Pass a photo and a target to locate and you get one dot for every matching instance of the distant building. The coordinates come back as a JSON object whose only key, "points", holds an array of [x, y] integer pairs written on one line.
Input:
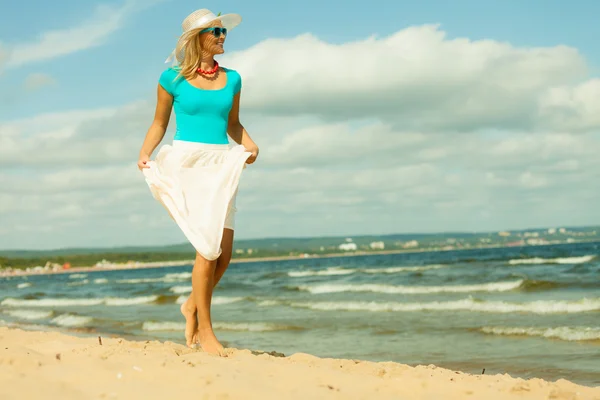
{"points": [[377, 245], [536, 241], [551, 231], [504, 234], [410, 244], [348, 246]]}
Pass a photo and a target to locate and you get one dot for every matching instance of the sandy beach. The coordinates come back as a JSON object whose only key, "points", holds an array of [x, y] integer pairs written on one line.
{"points": [[54, 365]]}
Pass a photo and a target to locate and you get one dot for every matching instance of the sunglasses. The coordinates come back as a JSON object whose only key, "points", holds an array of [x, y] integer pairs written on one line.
{"points": [[216, 31]]}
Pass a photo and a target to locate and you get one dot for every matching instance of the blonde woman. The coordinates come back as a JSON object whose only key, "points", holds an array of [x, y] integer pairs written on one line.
{"points": [[196, 178]]}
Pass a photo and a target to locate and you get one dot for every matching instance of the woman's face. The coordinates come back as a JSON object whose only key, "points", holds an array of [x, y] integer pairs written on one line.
{"points": [[210, 43]]}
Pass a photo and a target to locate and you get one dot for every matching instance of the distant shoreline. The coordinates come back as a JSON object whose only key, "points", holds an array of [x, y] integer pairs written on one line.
{"points": [[179, 263]]}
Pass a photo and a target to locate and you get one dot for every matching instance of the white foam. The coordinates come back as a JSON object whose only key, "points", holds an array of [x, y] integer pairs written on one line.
{"points": [[399, 289], [23, 285], [216, 300], [141, 280], [332, 271], [168, 278], [220, 300], [79, 283], [163, 326], [50, 302], [77, 276], [573, 334], [560, 260], [68, 320], [29, 315], [326, 272], [247, 326], [181, 289], [100, 281], [225, 326], [534, 307], [181, 276], [394, 270], [269, 303], [118, 301]]}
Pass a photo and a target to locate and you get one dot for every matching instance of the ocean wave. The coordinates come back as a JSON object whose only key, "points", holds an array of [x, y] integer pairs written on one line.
{"points": [[29, 315], [224, 326], [50, 302], [23, 285], [216, 300], [534, 307], [181, 276], [71, 321], [332, 271], [394, 270], [269, 303], [100, 281], [573, 334], [77, 276], [560, 260], [168, 278], [399, 289], [326, 272], [220, 300], [181, 289], [79, 283]]}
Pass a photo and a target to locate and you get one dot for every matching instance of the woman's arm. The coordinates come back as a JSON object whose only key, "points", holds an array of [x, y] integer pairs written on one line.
{"points": [[159, 125], [238, 133]]}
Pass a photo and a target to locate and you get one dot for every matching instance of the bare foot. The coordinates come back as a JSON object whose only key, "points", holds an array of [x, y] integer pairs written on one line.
{"points": [[209, 342], [191, 324]]}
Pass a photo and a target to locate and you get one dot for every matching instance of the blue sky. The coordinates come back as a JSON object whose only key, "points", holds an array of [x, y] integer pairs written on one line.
{"points": [[146, 36], [84, 71]]}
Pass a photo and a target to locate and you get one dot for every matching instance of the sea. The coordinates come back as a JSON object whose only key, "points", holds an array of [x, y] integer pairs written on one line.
{"points": [[528, 312]]}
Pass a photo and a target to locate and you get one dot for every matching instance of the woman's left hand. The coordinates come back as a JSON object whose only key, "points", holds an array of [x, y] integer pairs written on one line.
{"points": [[254, 155]]}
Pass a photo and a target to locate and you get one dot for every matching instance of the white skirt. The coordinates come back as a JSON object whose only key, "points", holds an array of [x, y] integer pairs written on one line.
{"points": [[197, 183]]}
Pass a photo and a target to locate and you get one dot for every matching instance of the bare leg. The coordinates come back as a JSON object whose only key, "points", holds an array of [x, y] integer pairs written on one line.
{"points": [[188, 308], [225, 257], [203, 277]]}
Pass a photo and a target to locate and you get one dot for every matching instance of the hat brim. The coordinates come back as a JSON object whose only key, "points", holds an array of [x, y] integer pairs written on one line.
{"points": [[229, 21]]}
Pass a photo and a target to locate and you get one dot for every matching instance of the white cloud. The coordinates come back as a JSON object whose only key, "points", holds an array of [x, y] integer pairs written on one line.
{"points": [[92, 31], [75, 138], [437, 134], [319, 179], [38, 80], [418, 78], [572, 107]]}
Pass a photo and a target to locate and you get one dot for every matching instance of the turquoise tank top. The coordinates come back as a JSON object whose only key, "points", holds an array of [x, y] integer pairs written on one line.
{"points": [[201, 115]]}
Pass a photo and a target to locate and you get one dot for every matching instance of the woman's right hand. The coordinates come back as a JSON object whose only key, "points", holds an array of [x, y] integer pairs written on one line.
{"points": [[143, 161]]}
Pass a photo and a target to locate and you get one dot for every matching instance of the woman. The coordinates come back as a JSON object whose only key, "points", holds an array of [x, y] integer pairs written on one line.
{"points": [[196, 178]]}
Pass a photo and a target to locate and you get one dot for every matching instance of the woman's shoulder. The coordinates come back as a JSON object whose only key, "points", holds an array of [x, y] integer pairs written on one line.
{"points": [[170, 73], [168, 79], [235, 78], [232, 72]]}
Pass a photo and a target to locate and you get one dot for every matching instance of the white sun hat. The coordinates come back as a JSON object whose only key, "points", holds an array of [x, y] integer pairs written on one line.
{"points": [[201, 18]]}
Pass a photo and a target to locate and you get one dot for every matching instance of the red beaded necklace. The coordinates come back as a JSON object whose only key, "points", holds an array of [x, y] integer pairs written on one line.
{"points": [[209, 72]]}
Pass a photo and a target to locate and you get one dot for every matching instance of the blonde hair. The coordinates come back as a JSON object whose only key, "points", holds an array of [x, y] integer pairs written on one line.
{"points": [[190, 47]]}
